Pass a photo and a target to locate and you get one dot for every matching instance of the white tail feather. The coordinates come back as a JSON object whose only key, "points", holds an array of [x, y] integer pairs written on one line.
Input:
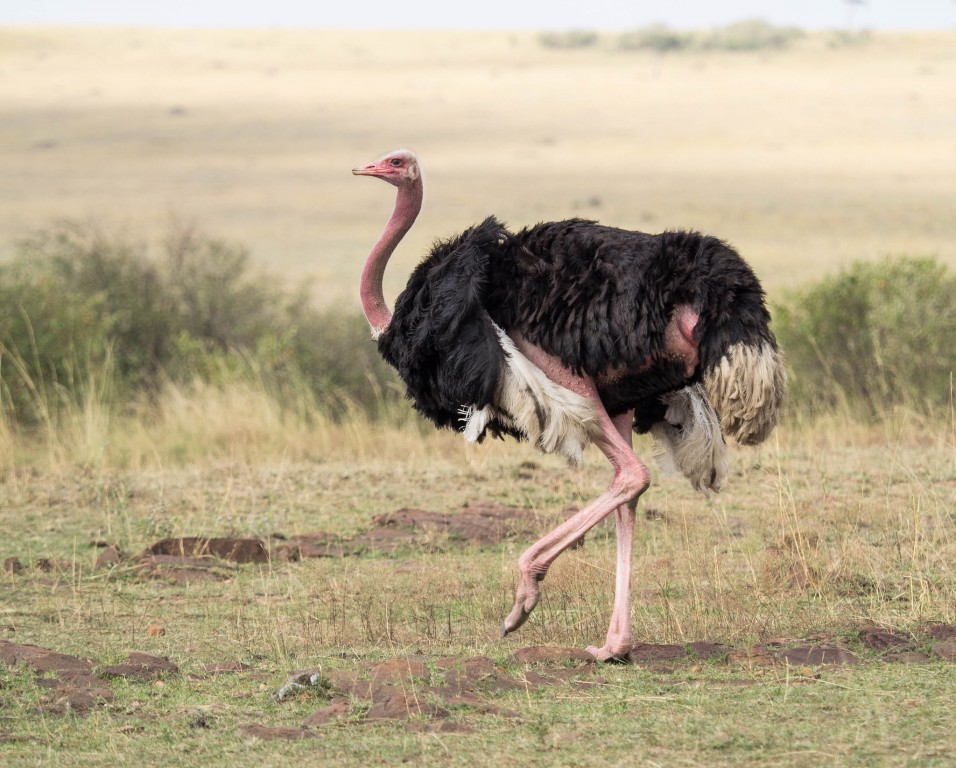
{"points": [[553, 419]]}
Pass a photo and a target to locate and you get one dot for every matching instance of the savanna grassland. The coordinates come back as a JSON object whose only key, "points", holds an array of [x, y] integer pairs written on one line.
{"points": [[806, 615], [804, 159]]}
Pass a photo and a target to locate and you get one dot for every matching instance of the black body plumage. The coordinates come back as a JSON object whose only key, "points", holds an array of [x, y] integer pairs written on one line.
{"points": [[441, 339], [597, 297]]}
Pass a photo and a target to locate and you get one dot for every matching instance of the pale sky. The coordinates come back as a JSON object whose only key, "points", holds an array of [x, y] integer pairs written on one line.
{"points": [[482, 14]]}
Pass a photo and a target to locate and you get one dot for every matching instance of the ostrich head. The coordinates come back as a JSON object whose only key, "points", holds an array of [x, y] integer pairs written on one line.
{"points": [[399, 168]]}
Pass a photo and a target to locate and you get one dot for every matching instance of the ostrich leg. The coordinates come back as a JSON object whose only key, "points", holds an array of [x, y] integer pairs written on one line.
{"points": [[630, 480], [619, 631]]}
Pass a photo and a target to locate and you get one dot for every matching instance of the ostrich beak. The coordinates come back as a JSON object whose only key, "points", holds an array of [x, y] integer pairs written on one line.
{"points": [[365, 170]]}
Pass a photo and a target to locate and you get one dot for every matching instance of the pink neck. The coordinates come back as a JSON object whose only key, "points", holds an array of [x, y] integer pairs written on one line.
{"points": [[408, 203]]}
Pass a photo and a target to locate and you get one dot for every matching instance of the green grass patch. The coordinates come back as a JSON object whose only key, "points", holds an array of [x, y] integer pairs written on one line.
{"points": [[818, 535]]}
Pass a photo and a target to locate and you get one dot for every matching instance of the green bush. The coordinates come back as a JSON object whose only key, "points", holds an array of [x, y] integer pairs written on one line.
{"points": [[76, 290], [76, 303], [751, 35], [657, 37], [577, 38], [871, 337]]}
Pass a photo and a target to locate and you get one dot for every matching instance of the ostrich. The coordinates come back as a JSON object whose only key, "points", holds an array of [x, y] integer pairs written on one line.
{"points": [[568, 333]]}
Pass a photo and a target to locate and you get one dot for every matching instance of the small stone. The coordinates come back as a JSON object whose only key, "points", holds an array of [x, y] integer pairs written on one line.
{"points": [[299, 681]]}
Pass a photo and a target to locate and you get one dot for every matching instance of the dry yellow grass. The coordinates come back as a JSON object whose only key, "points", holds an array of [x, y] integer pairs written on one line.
{"points": [[818, 532], [803, 159]]}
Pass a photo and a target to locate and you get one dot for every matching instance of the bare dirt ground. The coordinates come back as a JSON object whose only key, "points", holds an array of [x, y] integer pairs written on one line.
{"points": [[804, 159]]}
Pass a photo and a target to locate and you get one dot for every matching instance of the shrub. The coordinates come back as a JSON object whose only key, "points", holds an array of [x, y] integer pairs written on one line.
{"points": [[751, 35], [78, 291], [657, 38], [77, 304], [566, 40], [873, 336]]}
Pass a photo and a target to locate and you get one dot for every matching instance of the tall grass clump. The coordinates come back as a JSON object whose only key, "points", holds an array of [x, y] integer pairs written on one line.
{"points": [[92, 321], [872, 337]]}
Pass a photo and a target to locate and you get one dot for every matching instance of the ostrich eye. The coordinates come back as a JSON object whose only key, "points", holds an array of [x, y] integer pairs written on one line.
{"points": [[396, 162]]}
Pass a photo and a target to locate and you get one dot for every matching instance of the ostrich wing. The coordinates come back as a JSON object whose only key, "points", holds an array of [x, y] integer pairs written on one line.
{"points": [[442, 340]]}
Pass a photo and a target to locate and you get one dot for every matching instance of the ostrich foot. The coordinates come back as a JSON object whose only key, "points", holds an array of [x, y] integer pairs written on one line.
{"points": [[610, 651], [526, 598]]}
